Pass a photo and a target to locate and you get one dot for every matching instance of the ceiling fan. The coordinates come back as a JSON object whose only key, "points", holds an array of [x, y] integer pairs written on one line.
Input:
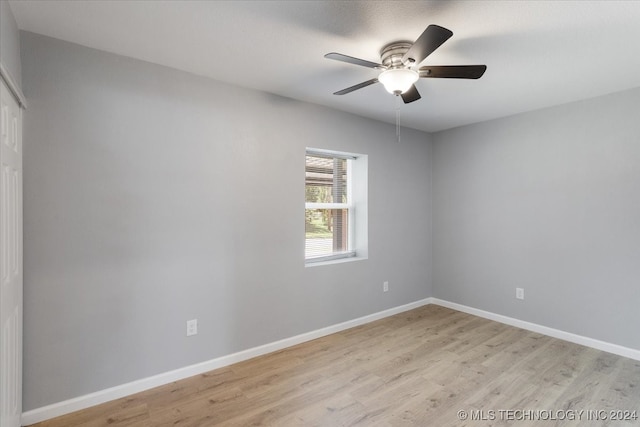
{"points": [[398, 58]]}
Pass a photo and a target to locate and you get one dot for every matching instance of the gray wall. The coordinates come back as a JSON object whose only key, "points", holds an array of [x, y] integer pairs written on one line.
{"points": [[10, 43], [153, 196], [548, 201]]}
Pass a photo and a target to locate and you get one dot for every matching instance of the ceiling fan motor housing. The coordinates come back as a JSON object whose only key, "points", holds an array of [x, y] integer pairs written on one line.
{"points": [[391, 55]]}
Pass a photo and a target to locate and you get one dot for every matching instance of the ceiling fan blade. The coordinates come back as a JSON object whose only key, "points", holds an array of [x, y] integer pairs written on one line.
{"points": [[429, 40], [356, 87], [352, 60], [411, 95], [453, 71]]}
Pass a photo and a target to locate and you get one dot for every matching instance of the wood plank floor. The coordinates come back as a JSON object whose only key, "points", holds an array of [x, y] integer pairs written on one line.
{"points": [[418, 368]]}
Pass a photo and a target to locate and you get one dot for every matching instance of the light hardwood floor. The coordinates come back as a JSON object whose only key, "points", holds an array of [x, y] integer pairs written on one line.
{"points": [[418, 368]]}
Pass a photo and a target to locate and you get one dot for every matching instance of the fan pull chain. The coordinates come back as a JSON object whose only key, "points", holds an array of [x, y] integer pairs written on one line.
{"points": [[398, 105]]}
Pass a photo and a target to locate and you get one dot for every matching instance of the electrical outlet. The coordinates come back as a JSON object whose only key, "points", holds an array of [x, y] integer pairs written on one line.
{"points": [[192, 327], [385, 287], [520, 293]]}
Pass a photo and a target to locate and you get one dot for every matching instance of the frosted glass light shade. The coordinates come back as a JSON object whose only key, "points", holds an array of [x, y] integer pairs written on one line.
{"points": [[398, 80]]}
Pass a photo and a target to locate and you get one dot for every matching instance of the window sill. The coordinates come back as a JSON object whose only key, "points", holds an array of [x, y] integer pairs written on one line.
{"points": [[335, 261]]}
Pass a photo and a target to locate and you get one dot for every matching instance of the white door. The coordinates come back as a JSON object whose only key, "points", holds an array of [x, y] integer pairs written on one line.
{"points": [[10, 260]]}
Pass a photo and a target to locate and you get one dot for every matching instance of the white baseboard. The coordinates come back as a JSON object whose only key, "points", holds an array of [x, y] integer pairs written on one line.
{"points": [[544, 330], [102, 396], [82, 402]]}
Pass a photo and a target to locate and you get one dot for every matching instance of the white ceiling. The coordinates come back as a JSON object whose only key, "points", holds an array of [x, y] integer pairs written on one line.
{"points": [[538, 53]]}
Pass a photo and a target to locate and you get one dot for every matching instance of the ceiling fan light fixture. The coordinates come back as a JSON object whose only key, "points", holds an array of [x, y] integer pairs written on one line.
{"points": [[398, 80]]}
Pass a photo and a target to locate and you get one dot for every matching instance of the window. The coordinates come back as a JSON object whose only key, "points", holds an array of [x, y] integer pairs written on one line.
{"points": [[330, 208]]}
